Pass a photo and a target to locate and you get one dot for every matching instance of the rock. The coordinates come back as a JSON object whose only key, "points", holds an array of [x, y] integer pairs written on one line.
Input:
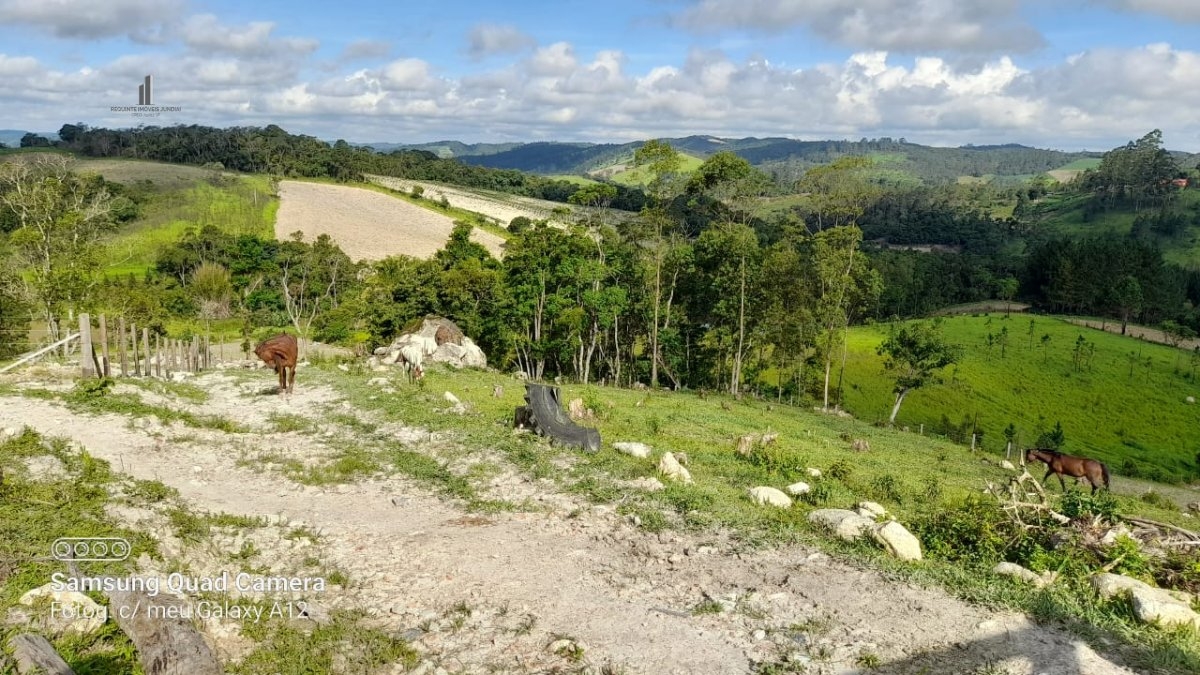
{"points": [[845, 524], [8, 432], [769, 496], [75, 612], [439, 340], [1194, 506], [897, 540], [1005, 464], [578, 411], [800, 488], [1110, 585], [1191, 400], [639, 450], [1029, 576], [760, 634], [451, 398], [871, 510], [813, 473], [1151, 606], [377, 381], [669, 467], [860, 445]]}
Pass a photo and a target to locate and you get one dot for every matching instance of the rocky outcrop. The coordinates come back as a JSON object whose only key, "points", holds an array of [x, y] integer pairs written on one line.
{"points": [[439, 340]]}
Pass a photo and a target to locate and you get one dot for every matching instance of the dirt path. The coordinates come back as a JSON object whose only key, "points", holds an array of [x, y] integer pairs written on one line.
{"points": [[580, 571], [1143, 332], [366, 225]]}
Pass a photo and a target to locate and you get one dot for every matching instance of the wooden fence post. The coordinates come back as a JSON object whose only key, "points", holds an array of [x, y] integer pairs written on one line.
{"points": [[121, 346], [146, 349], [133, 350], [85, 345], [104, 346], [195, 354], [158, 362]]}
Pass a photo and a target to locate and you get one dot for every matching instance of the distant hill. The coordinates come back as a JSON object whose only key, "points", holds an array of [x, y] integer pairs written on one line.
{"points": [[12, 137], [784, 157]]}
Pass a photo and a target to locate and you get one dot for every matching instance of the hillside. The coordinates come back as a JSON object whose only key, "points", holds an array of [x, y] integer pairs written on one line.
{"points": [[1124, 404], [781, 156], [375, 484]]}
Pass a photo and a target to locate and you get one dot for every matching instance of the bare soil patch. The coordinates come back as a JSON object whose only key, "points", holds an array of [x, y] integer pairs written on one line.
{"points": [[366, 225]]}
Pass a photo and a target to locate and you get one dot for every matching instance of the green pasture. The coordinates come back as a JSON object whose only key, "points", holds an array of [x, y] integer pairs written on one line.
{"points": [[1125, 403]]}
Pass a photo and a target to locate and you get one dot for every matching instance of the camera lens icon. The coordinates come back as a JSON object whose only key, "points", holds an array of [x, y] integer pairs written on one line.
{"points": [[91, 549]]}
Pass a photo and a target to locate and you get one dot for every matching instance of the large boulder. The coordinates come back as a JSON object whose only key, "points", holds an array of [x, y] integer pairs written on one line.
{"points": [[897, 540], [440, 340], [1150, 604]]}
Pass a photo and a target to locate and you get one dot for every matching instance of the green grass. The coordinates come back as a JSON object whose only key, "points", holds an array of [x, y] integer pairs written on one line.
{"points": [[1139, 420], [36, 512], [912, 476], [1064, 215], [635, 177], [238, 205], [1081, 164], [572, 178]]}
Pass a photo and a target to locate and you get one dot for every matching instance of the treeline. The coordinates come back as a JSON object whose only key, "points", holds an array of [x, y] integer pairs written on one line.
{"points": [[271, 150]]}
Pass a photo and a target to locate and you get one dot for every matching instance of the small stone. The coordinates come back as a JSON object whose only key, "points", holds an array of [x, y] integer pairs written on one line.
{"points": [[799, 488], [639, 450], [814, 473], [760, 634], [450, 398]]}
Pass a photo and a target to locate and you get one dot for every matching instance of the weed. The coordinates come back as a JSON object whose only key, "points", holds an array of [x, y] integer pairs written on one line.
{"points": [[841, 470], [707, 606], [525, 627]]}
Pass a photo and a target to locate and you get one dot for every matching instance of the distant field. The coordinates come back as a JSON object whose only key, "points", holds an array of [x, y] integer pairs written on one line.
{"points": [[367, 225], [634, 177], [182, 197], [1065, 215], [1106, 412], [1067, 172]]}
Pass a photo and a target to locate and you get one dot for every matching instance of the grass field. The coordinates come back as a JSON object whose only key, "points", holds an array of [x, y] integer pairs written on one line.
{"points": [[239, 205], [1133, 416], [635, 177], [1065, 215]]}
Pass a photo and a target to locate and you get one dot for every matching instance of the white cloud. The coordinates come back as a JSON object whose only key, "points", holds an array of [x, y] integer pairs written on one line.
{"points": [[1179, 10], [206, 34], [91, 19], [487, 39], [1096, 99], [898, 25]]}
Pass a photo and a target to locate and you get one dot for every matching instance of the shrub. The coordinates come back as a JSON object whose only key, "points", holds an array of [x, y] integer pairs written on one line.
{"points": [[971, 531], [840, 470]]}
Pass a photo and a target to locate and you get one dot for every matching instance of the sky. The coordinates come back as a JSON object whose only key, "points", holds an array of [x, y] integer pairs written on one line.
{"points": [[1069, 75]]}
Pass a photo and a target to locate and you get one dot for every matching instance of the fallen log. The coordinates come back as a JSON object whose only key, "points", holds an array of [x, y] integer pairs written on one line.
{"points": [[35, 654], [166, 641]]}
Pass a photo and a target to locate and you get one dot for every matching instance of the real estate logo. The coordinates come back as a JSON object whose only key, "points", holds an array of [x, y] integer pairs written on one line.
{"points": [[145, 106]]}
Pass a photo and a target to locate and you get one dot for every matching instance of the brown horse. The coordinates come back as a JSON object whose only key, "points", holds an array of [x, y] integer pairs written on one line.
{"points": [[1076, 467], [279, 352]]}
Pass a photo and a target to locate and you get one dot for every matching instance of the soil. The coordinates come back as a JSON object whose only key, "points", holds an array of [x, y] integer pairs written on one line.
{"points": [[366, 225], [526, 581]]}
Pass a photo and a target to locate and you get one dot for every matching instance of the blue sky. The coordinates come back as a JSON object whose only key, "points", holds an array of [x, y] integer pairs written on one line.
{"points": [[1075, 74]]}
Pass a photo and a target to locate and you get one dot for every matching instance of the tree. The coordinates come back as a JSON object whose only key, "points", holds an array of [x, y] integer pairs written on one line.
{"points": [[1128, 298], [61, 219], [915, 352], [663, 163], [838, 192], [727, 262], [844, 283], [1006, 288], [311, 278]]}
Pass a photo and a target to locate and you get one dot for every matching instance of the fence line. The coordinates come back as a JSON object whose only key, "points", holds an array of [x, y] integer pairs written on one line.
{"points": [[134, 353]]}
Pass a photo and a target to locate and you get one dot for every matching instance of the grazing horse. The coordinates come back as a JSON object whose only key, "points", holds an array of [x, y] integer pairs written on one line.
{"points": [[279, 352], [411, 358], [1093, 470]]}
